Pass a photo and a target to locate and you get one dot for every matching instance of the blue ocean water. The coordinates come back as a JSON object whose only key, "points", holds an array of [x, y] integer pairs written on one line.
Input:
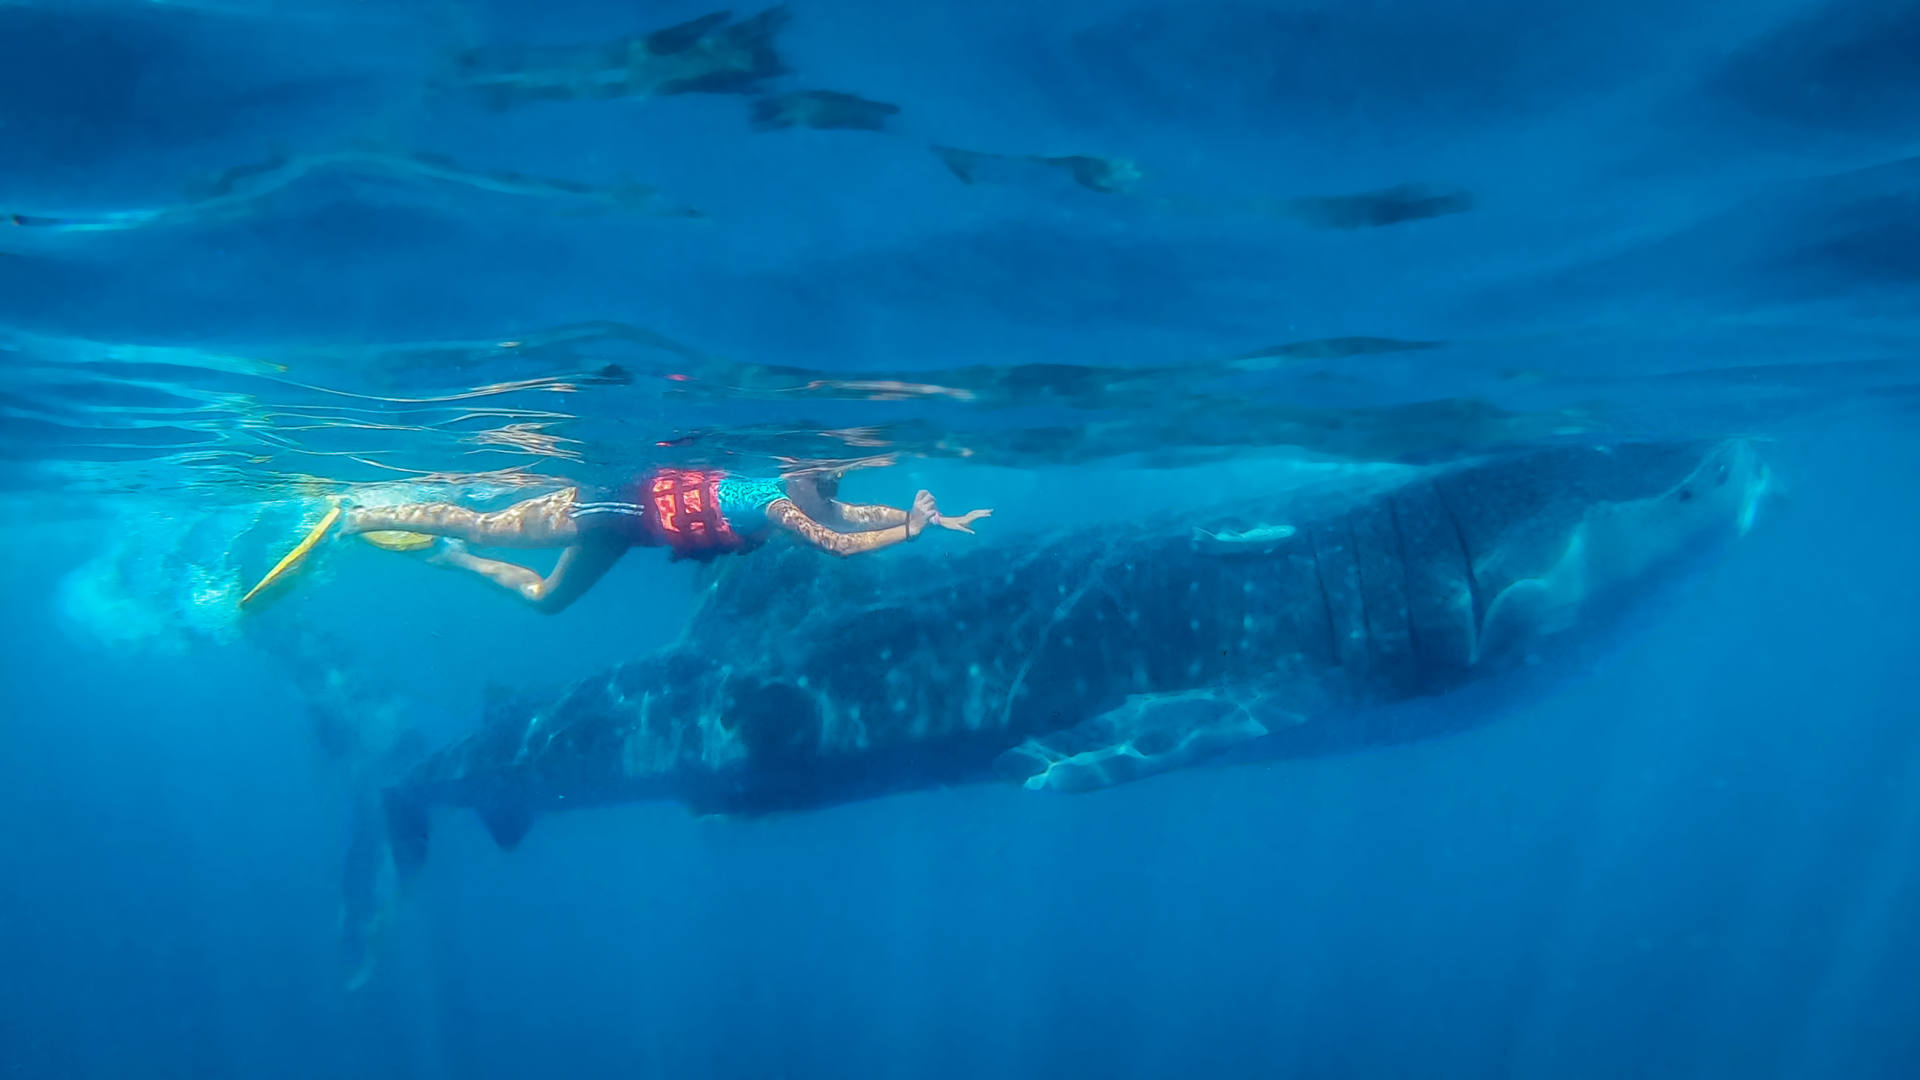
{"points": [[1085, 263]]}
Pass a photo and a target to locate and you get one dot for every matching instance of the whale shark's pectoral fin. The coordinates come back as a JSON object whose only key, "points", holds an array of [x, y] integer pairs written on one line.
{"points": [[1149, 734], [1534, 607], [1512, 618]]}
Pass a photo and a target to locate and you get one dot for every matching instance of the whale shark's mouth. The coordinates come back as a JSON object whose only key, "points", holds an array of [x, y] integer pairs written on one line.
{"points": [[1739, 459], [1757, 493], [1735, 464]]}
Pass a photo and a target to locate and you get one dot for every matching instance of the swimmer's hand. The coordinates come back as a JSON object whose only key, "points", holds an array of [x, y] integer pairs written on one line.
{"points": [[961, 523], [923, 512]]}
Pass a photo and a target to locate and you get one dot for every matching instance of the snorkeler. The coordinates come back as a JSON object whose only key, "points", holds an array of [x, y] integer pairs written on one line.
{"points": [[697, 513]]}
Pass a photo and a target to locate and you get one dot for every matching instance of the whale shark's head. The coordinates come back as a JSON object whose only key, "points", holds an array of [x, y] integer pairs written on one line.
{"points": [[1741, 478], [1617, 523], [1714, 500]]}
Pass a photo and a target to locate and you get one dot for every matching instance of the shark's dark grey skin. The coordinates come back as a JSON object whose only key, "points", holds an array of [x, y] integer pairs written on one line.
{"points": [[1108, 653]]}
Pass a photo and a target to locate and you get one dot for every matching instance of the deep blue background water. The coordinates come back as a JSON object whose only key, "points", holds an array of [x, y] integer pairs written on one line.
{"points": [[1696, 861]]}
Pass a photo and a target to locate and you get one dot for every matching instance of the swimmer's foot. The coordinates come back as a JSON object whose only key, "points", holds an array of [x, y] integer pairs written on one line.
{"points": [[349, 516], [292, 560], [445, 551], [397, 539]]}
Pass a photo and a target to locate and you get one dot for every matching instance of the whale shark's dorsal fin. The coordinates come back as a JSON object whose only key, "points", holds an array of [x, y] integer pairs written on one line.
{"points": [[505, 711], [1147, 735], [507, 822], [495, 698]]}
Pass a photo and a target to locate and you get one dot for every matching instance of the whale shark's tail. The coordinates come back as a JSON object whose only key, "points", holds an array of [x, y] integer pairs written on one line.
{"points": [[405, 805], [370, 881], [368, 891], [403, 816]]}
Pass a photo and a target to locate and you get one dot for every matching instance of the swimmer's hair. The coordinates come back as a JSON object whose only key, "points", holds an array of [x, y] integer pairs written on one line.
{"points": [[830, 473], [822, 480]]}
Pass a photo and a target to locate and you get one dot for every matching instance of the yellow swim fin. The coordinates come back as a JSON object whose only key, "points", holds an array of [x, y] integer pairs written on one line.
{"points": [[293, 558], [397, 539]]}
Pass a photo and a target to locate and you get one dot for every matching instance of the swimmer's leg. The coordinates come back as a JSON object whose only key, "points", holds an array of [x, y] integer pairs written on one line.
{"points": [[580, 566], [541, 522]]}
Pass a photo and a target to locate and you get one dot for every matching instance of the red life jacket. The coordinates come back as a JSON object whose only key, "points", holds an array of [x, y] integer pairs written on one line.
{"points": [[683, 513]]}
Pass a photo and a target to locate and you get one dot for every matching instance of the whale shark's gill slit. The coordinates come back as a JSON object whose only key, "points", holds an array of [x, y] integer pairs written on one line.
{"points": [[1466, 557], [1414, 649], [1326, 600], [1377, 660], [1360, 587]]}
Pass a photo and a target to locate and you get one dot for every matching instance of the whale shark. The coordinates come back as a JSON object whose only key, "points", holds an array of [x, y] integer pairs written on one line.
{"points": [[1276, 626]]}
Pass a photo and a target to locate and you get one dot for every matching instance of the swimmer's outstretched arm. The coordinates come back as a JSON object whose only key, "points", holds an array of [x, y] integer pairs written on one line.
{"points": [[863, 517], [789, 516]]}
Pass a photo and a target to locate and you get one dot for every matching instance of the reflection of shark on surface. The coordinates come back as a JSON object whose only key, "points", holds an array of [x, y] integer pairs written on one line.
{"points": [[822, 110], [1107, 655], [711, 54], [278, 11], [246, 190], [1394, 205], [251, 182], [239, 10], [833, 110], [708, 55], [1105, 175], [1375, 209], [1334, 348]]}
